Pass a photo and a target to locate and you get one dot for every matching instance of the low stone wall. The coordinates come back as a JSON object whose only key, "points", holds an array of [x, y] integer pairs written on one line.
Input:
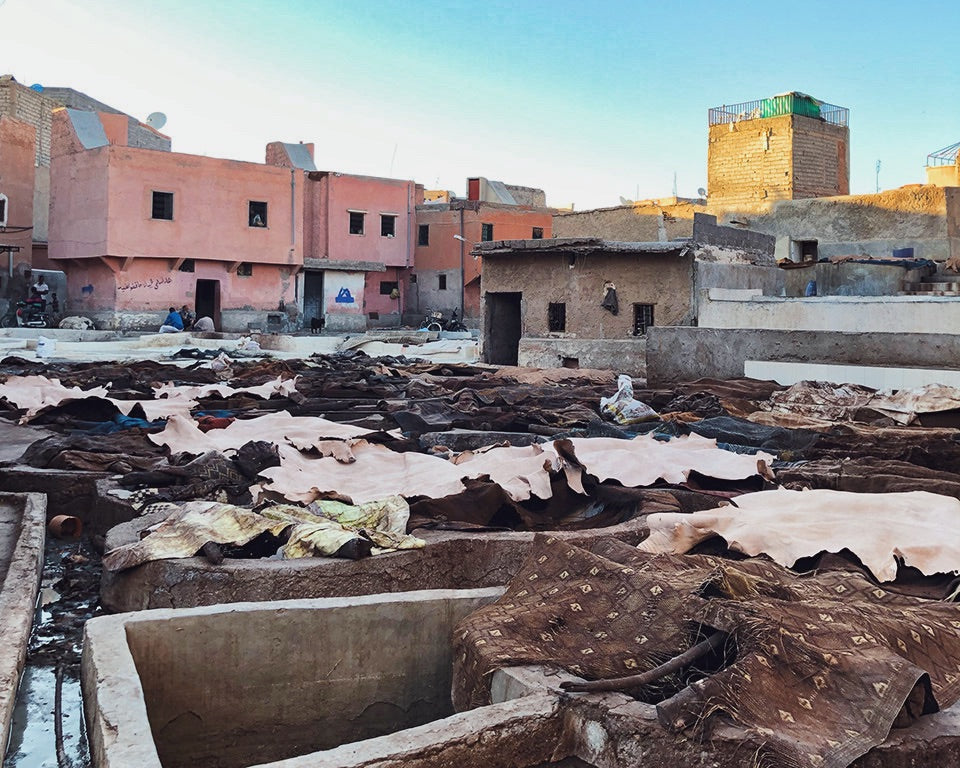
{"points": [[450, 560], [22, 532], [620, 355], [682, 353], [855, 314]]}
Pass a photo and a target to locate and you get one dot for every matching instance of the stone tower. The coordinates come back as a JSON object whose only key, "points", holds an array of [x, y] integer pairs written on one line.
{"points": [[783, 148]]}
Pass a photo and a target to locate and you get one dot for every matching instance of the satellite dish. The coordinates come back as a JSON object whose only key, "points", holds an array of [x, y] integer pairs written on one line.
{"points": [[36, 86], [156, 120], [702, 192]]}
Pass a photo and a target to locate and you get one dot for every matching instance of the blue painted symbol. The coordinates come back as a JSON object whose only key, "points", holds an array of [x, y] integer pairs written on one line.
{"points": [[87, 289], [344, 297]]}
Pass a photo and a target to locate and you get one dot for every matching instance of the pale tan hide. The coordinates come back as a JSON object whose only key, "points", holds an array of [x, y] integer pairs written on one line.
{"points": [[521, 471], [38, 392], [904, 405], [920, 527], [183, 435], [279, 386]]}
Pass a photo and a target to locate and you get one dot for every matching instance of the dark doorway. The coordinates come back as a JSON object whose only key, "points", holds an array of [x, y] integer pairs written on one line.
{"points": [[312, 296], [208, 301], [502, 328]]}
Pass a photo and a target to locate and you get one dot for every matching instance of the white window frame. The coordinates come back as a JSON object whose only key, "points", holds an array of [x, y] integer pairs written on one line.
{"points": [[6, 209]]}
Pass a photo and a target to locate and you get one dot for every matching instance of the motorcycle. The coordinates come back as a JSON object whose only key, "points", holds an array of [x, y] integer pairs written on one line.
{"points": [[26, 314], [434, 322]]}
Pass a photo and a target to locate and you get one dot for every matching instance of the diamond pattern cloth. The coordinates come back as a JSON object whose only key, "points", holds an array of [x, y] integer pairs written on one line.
{"points": [[823, 665]]}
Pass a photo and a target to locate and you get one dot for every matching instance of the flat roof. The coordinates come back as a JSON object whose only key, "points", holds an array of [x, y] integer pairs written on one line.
{"points": [[579, 244]]}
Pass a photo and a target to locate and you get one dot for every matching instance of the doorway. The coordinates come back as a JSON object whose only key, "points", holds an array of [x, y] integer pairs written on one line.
{"points": [[502, 328], [312, 296], [208, 301]]}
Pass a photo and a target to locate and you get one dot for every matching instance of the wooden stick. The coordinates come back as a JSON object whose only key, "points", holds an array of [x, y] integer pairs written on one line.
{"points": [[651, 676]]}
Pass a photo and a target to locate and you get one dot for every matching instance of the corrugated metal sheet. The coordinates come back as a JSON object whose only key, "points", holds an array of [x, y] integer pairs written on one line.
{"points": [[88, 128]]}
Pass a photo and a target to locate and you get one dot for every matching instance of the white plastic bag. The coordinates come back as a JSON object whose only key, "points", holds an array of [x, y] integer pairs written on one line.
{"points": [[622, 408], [46, 347]]}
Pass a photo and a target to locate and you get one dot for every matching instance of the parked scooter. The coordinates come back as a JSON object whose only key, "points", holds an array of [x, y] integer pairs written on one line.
{"points": [[26, 314], [434, 321]]}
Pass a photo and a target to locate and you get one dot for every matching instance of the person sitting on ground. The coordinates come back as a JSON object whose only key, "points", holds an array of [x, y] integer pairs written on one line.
{"points": [[173, 323], [203, 325], [187, 316]]}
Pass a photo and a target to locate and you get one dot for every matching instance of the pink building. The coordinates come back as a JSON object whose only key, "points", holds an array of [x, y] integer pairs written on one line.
{"points": [[138, 230], [358, 243]]}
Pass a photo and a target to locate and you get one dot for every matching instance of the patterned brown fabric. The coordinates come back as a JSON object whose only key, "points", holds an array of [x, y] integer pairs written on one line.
{"points": [[824, 664]]}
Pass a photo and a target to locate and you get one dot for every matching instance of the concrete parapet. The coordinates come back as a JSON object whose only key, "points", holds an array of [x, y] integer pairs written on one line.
{"points": [[681, 353], [22, 535]]}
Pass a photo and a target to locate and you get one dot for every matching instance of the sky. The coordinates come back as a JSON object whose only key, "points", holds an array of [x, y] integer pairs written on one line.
{"points": [[589, 101]]}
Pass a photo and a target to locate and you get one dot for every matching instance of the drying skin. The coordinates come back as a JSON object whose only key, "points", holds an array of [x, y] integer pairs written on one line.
{"points": [[921, 528]]}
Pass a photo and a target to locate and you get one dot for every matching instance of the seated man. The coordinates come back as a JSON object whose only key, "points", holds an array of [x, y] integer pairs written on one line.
{"points": [[203, 325], [173, 323]]}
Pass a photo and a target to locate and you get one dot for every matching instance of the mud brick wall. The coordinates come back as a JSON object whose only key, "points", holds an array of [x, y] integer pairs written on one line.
{"points": [[22, 103], [776, 158]]}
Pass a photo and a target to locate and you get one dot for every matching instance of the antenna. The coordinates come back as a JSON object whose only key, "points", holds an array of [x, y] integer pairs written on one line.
{"points": [[674, 183], [156, 120], [878, 175], [392, 158]]}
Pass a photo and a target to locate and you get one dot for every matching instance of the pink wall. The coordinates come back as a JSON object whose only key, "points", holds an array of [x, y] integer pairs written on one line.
{"points": [[334, 195], [17, 148], [374, 301], [149, 285], [78, 204], [210, 208]]}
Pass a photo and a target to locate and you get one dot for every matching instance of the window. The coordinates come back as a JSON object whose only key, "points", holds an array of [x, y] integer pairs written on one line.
{"points": [[162, 206], [642, 318], [386, 288], [538, 233], [188, 265], [388, 225], [442, 285], [3, 210], [803, 250], [245, 269], [257, 214], [356, 222], [423, 234], [557, 317], [486, 232]]}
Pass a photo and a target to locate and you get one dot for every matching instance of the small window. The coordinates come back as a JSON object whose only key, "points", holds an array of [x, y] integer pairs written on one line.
{"points": [[388, 225], [245, 269], [257, 214], [442, 284], [557, 317], [804, 250], [413, 278], [386, 287], [356, 222], [188, 265], [162, 206], [3, 210], [486, 232], [538, 233], [642, 318], [423, 234]]}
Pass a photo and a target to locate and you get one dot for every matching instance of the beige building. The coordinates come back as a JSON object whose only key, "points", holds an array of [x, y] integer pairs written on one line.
{"points": [[787, 147]]}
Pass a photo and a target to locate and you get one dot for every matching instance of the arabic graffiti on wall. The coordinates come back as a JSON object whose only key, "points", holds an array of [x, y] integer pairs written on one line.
{"points": [[153, 282]]}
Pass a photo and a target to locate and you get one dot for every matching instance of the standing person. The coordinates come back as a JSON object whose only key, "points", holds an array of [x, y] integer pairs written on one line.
{"points": [[41, 289], [173, 323]]}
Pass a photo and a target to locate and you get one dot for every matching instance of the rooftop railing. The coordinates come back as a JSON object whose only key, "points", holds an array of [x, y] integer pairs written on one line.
{"points": [[789, 104]]}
